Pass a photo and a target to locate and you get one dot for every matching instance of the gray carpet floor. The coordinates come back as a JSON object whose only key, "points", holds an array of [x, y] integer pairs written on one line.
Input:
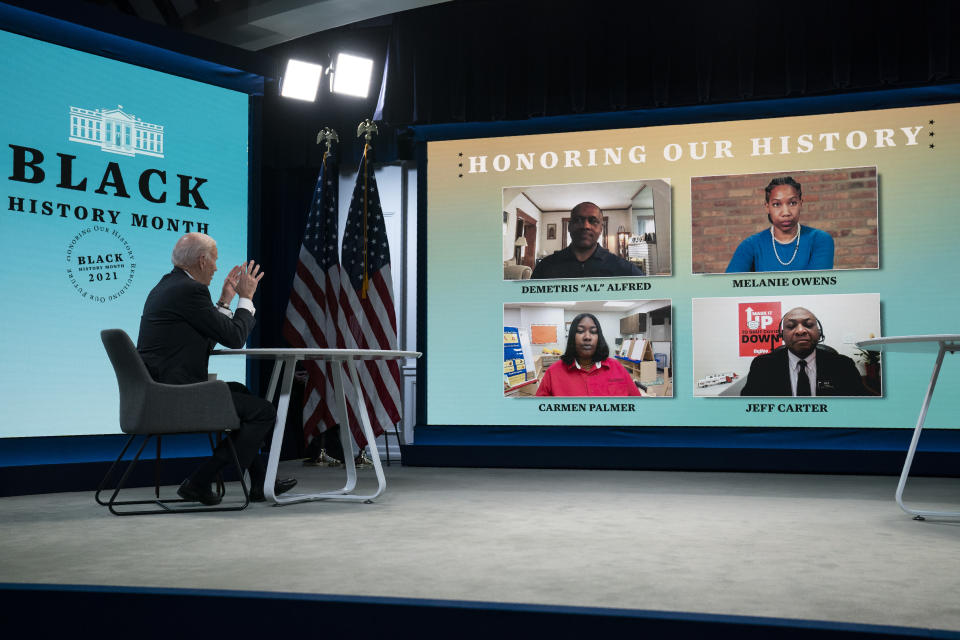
{"points": [[793, 546]]}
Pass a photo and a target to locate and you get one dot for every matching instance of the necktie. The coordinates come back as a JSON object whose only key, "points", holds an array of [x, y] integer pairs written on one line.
{"points": [[803, 382]]}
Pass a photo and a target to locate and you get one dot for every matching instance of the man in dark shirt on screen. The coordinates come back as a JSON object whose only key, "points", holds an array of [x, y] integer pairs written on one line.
{"points": [[585, 258]]}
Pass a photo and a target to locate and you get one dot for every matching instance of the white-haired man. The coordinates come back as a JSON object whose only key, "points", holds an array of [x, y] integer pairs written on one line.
{"points": [[180, 325]]}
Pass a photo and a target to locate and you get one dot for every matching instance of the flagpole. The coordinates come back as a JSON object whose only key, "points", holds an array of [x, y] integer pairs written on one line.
{"points": [[367, 129], [366, 302], [310, 320]]}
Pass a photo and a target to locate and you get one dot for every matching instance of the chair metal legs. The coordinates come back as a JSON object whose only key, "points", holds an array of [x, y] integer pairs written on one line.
{"points": [[221, 488], [162, 504]]}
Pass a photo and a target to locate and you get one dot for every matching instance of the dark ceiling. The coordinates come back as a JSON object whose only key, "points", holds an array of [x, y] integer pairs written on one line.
{"points": [[257, 24]]}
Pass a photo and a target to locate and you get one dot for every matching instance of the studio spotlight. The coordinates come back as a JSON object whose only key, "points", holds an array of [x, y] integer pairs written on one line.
{"points": [[351, 75], [300, 80]]}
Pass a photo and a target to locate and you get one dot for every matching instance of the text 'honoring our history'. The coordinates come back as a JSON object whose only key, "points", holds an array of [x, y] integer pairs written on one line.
{"points": [[637, 154]]}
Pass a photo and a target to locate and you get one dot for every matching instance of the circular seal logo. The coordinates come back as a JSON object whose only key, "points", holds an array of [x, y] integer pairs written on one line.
{"points": [[100, 264]]}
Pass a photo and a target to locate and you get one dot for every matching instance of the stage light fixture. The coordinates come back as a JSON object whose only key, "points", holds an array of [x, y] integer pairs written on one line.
{"points": [[350, 75], [300, 80]]}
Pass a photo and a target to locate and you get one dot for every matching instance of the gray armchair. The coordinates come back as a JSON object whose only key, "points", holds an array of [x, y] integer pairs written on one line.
{"points": [[513, 271], [151, 409]]}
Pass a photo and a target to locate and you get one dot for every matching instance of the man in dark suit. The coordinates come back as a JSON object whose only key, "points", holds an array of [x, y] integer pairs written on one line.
{"points": [[179, 327], [801, 369]]}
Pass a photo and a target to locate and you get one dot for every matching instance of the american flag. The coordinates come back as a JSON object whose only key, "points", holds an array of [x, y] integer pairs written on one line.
{"points": [[368, 318], [314, 300]]}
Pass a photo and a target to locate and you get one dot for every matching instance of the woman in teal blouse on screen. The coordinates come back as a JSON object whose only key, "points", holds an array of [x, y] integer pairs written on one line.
{"points": [[786, 245]]}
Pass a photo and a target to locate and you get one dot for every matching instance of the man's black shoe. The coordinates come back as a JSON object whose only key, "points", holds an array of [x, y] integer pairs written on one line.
{"points": [[282, 485], [197, 493]]}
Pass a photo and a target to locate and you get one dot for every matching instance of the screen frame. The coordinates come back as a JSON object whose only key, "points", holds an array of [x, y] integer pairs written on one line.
{"points": [[735, 436]]}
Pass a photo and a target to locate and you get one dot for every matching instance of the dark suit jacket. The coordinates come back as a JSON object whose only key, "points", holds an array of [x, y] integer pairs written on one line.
{"points": [[837, 375], [180, 325]]}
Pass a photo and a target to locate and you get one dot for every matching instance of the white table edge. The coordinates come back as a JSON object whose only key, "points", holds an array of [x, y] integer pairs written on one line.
{"points": [[892, 340]]}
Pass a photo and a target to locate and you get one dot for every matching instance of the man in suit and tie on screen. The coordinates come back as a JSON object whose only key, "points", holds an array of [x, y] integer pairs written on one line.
{"points": [[802, 367], [179, 327]]}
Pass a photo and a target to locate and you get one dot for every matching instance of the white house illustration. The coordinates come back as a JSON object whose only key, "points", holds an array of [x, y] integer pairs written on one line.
{"points": [[116, 132]]}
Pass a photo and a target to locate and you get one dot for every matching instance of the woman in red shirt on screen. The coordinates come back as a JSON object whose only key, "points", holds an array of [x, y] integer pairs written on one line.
{"points": [[586, 369]]}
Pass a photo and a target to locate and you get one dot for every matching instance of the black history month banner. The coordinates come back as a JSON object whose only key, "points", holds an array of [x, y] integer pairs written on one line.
{"points": [[104, 165]]}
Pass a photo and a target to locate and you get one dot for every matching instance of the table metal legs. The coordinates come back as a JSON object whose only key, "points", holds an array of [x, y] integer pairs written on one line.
{"points": [[346, 493], [917, 514]]}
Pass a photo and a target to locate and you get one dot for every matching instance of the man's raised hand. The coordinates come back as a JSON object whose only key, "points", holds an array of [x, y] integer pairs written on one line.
{"points": [[230, 286], [247, 279]]}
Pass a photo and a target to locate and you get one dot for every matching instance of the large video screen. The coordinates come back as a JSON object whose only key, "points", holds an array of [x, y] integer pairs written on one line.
{"points": [[706, 274], [104, 165]]}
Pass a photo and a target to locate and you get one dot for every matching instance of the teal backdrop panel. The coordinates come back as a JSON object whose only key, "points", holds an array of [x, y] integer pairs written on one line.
{"points": [[104, 166]]}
